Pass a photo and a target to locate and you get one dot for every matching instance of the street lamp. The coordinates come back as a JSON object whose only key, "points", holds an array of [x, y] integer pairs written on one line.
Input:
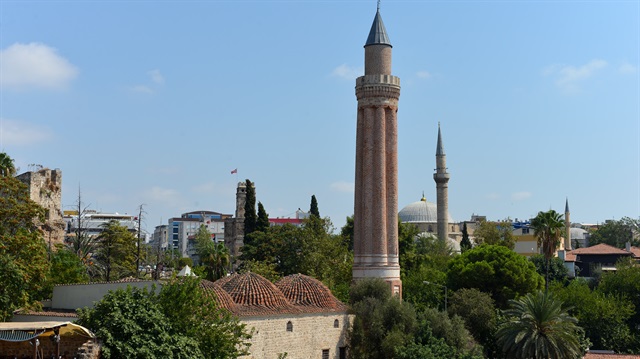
{"points": [[445, 292]]}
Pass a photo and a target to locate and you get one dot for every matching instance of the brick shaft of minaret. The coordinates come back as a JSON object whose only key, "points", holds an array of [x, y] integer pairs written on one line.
{"points": [[376, 184]]}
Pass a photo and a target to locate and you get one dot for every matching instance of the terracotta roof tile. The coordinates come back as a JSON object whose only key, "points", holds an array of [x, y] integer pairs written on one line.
{"points": [[308, 292], [49, 313], [255, 295], [635, 251], [590, 355], [221, 297], [600, 249]]}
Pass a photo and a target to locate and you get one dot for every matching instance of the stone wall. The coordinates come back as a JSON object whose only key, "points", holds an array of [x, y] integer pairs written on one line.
{"points": [[310, 334]]}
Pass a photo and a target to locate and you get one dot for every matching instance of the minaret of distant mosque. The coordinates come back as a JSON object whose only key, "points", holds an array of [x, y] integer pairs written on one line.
{"points": [[442, 189], [375, 216], [567, 224]]}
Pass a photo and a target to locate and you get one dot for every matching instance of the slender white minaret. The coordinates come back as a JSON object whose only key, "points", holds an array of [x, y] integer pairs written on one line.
{"points": [[376, 185], [567, 224], [442, 189]]}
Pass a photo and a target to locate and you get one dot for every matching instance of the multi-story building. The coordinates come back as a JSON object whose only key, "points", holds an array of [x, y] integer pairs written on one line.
{"points": [[182, 230], [92, 223], [160, 237]]}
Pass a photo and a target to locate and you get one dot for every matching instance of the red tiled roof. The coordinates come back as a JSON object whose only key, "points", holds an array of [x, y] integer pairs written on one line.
{"points": [[569, 257], [600, 249], [221, 297], [305, 291], [590, 355], [635, 251], [49, 313], [255, 295]]}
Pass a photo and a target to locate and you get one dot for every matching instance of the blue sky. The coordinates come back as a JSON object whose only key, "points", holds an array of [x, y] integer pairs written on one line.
{"points": [[155, 102]]}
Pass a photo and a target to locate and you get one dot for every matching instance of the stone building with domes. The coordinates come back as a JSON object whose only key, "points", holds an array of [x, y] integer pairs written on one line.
{"points": [[298, 315]]}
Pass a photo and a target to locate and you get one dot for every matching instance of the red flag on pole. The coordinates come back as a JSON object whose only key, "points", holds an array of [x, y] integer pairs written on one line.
{"points": [[234, 171]]}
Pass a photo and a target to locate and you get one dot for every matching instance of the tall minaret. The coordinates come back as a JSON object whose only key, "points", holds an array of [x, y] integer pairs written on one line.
{"points": [[376, 186], [442, 189], [567, 224]]}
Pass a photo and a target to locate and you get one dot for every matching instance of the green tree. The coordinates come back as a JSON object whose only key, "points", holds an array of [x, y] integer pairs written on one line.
{"points": [[497, 233], [262, 222], [346, 232], [382, 322], [465, 243], [250, 216], [131, 324], [213, 256], [478, 311], [538, 327], [66, 268], [617, 233], [548, 228], [193, 312], [185, 261], [313, 210], [496, 270], [13, 291], [7, 168], [604, 317], [557, 270], [624, 282], [115, 254], [21, 243]]}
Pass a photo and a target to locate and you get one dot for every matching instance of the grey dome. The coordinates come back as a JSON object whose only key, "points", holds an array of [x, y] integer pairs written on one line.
{"points": [[421, 212]]}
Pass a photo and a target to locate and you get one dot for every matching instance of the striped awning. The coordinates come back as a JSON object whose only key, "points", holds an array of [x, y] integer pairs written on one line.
{"points": [[19, 335], [25, 331]]}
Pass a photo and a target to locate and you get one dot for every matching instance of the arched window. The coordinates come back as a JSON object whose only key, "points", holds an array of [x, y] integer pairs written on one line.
{"points": [[336, 323], [289, 326]]}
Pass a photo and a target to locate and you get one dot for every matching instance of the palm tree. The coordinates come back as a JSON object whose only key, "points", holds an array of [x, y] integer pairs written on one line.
{"points": [[215, 257], [6, 165], [548, 227], [539, 328]]}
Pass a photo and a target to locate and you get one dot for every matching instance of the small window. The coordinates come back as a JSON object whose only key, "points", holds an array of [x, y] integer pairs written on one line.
{"points": [[343, 353], [336, 323], [289, 326], [325, 353]]}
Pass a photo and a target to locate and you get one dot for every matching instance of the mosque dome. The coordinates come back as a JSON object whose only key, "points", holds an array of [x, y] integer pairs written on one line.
{"points": [[306, 291], [421, 212], [215, 291], [255, 295]]}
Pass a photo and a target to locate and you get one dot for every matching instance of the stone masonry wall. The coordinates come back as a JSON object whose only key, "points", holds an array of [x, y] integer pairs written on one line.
{"points": [[70, 347], [310, 334]]}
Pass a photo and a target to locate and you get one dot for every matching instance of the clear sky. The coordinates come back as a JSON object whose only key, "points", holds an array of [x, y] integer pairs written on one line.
{"points": [[155, 102]]}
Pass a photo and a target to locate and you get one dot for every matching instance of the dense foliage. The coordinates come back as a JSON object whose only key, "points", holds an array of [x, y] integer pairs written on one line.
{"points": [[178, 322], [617, 233], [250, 216], [495, 233], [538, 327], [496, 270], [115, 251], [23, 254], [214, 257]]}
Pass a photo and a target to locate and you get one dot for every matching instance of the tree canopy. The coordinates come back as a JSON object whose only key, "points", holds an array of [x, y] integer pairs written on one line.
{"points": [[498, 233], [548, 228], [250, 216], [617, 233], [23, 253], [313, 210], [115, 252], [496, 270]]}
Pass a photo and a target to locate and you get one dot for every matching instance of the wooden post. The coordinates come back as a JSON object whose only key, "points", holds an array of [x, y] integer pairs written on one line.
{"points": [[56, 332], [34, 341]]}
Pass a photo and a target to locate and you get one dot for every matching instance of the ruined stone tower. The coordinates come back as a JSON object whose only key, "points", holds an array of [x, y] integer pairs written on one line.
{"points": [[376, 185], [234, 227], [442, 189], [45, 188]]}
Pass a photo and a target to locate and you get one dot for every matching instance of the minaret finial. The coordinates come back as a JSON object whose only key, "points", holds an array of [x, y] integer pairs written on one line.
{"points": [[378, 5]]}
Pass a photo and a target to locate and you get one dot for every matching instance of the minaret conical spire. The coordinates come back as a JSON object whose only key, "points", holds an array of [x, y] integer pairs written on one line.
{"points": [[566, 205], [439, 147], [378, 33]]}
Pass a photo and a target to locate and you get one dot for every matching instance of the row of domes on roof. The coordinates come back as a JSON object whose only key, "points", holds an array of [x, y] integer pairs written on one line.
{"points": [[251, 294]]}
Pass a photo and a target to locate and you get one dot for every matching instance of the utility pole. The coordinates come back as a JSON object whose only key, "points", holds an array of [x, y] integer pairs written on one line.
{"points": [[139, 235]]}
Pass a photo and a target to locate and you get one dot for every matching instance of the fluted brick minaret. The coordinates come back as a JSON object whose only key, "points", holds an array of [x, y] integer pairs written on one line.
{"points": [[376, 185], [567, 225], [442, 189]]}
